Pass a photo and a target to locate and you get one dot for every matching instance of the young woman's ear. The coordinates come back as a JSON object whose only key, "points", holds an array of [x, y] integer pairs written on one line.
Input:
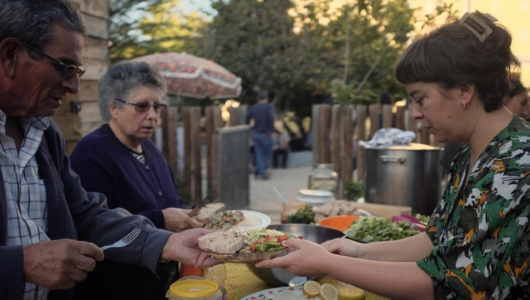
{"points": [[466, 93]]}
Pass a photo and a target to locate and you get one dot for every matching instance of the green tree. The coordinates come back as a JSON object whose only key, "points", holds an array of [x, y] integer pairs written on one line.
{"points": [[151, 26], [297, 52]]}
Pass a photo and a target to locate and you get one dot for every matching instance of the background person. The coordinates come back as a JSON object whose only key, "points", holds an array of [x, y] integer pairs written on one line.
{"points": [[516, 100], [476, 243], [43, 208], [119, 161], [280, 152], [262, 114]]}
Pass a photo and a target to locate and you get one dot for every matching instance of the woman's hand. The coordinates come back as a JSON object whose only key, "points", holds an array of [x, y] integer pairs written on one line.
{"points": [[306, 261], [344, 247], [177, 220]]}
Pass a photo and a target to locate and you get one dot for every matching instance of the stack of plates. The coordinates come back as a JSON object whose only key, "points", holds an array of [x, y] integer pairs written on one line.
{"points": [[315, 197]]}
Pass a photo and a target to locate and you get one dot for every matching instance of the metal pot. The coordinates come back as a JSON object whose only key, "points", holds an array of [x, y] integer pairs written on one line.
{"points": [[404, 175], [314, 233]]}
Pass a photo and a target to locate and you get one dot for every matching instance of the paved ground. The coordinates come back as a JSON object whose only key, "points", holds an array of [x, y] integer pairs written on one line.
{"points": [[287, 181]]}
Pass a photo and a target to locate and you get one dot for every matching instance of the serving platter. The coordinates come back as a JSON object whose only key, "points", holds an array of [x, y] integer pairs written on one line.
{"points": [[252, 257]]}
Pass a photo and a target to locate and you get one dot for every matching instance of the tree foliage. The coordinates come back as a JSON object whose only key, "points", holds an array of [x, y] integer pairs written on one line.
{"points": [[305, 52], [150, 26]]}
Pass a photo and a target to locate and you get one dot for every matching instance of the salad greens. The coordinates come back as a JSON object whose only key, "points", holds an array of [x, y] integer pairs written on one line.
{"points": [[262, 239], [304, 215], [375, 229]]}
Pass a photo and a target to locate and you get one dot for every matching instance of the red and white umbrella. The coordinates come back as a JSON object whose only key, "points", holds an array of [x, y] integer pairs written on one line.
{"points": [[191, 76]]}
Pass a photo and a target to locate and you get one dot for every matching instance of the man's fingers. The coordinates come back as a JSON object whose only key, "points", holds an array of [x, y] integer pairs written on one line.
{"points": [[77, 275], [90, 250], [84, 263]]}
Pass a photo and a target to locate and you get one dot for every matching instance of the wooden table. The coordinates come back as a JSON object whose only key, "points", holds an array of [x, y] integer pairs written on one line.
{"points": [[241, 282]]}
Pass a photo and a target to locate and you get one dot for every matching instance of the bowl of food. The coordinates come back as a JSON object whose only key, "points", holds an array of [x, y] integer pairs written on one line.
{"points": [[339, 222], [314, 233]]}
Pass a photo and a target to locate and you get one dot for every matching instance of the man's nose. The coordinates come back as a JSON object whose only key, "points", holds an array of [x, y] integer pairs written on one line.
{"points": [[72, 84]]}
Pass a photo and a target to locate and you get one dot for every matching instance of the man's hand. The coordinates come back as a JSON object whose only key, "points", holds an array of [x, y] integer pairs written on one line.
{"points": [[177, 220], [183, 247], [59, 264]]}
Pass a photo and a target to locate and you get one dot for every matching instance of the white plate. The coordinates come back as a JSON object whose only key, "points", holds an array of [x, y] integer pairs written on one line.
{"points": [[316, 193], [315, 197], [285, 292], [253, 219]]}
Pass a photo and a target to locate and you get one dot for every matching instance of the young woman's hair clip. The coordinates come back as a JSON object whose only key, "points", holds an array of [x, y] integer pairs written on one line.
{"points": [[477, 23]]}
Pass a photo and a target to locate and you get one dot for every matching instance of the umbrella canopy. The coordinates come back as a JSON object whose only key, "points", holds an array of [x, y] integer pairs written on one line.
{"points": [[192, 76]]}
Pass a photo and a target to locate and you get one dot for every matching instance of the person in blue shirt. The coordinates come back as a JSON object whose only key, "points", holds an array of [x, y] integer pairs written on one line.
{"points": [[262, 114]]}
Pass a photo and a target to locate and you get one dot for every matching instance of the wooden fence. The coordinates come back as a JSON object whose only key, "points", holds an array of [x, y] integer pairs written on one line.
{"points": [[337, 131], [212, 133]]}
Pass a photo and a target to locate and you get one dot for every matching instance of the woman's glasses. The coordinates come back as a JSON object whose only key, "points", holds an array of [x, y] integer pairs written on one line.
{"points": [[66, 71], [144, 106]]}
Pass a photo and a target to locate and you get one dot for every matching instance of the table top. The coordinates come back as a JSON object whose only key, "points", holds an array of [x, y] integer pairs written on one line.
{"points": [[241, 282]]}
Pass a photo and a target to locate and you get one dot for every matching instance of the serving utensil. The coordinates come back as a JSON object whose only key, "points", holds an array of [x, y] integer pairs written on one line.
{"points": [[280, 196], [208, 199], [297, 281], [126, 240]]}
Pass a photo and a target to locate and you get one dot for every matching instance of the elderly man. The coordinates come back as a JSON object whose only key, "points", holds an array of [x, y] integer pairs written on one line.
{"points": [[44, 211]]}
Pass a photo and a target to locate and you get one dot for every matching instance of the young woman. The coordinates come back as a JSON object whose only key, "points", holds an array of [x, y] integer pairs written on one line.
{"points": [[477, 242]]}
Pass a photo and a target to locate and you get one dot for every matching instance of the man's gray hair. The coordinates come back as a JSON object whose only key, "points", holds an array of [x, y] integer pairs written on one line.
{"points": [[122, 79], [32, 21]]}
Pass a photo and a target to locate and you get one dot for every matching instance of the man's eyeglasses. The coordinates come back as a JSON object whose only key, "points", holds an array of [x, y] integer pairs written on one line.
{"points": [[144, 106], [66, 71]]}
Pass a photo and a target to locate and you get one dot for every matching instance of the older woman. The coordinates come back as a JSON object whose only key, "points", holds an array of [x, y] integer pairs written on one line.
{"points": [[516, 100], [119, 161]]}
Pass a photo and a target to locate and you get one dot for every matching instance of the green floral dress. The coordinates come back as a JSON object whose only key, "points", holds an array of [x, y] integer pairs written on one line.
{"points": [[481, 240]]}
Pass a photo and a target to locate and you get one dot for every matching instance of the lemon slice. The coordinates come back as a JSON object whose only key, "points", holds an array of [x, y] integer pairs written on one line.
{"points": [[350, 292], [328, 292], [311, 289]]}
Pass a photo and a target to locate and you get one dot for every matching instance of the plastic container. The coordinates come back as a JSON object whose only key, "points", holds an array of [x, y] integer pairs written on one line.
{"points": [[187, 270], [322, 177], [339, 222], [195, 289], [216, 274], [290, 209]]}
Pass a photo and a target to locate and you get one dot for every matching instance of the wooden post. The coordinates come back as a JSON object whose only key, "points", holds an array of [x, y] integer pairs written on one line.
{"points": [[316, 127], [169, 137], [196, 169], [323, 139], [387, 116], [209, 128], [187, 153], [336, 135], [361, 136], [375, 111], [347, 148], [215, 176], [400, 117], [234, 116]]}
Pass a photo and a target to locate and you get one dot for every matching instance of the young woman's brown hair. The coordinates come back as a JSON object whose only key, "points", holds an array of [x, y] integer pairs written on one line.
{"points": [[472, 51]]}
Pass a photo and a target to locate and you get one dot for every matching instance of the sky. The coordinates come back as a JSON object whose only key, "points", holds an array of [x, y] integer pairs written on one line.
{"points": [[195, 5]]}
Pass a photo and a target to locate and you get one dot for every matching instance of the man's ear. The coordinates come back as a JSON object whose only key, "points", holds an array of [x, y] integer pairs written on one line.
{"points": [[9, 48]]}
